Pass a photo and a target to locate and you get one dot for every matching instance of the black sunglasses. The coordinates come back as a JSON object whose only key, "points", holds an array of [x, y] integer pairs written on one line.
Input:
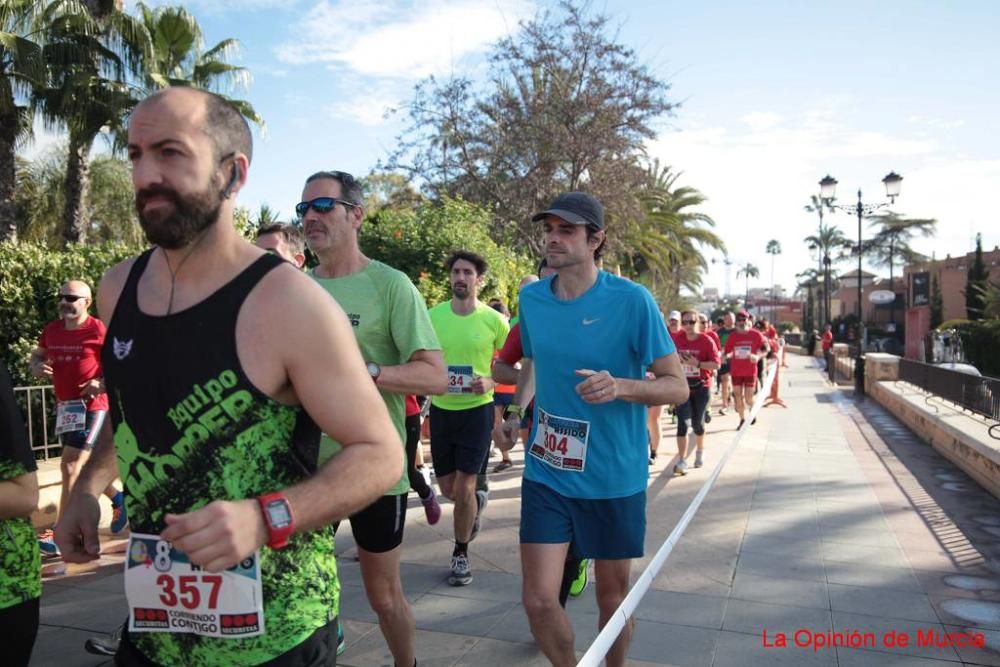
{"points": [[689, 321], [321, 205], [72, 298]]}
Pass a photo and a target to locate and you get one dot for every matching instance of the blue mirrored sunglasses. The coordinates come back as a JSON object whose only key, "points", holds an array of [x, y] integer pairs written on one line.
{"points": [[320, 205]]}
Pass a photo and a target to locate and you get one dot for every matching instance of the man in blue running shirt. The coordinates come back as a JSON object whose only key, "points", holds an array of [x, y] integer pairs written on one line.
{"points": [[589, 338]]}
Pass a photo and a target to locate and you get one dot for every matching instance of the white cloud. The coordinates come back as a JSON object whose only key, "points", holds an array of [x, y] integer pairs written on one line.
{"points": [[397, 39], [759, 173]]}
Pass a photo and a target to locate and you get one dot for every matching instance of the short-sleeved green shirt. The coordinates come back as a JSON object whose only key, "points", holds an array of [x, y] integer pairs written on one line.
{"points": [[390, 322], [468, 340], [20, 561]]}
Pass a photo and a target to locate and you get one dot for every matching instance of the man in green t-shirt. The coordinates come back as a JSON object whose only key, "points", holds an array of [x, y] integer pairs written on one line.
{"points": [[462, 419], [390, 322], [20, 576]]}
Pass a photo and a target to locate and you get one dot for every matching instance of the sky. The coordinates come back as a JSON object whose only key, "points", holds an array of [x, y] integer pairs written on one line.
{"points": [[772, 96]]}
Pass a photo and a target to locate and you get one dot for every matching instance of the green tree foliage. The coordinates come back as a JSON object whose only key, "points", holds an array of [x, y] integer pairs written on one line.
{"points": [[90, 52], [417, 241], [663, 247], [31, 276], [179, 58], [21, 71], [40, 199], [565, 107], [977, 284]]}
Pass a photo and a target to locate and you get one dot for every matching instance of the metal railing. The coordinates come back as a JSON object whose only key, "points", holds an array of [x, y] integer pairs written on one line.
{"points": [[978, 394], [840, 371], [39, 405]]}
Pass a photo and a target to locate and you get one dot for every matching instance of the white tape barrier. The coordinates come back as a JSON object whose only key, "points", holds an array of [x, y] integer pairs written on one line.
{"points": [[602, 644]]}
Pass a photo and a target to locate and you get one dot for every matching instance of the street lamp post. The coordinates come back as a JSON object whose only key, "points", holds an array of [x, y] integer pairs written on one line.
{"points": [[828, 189]]}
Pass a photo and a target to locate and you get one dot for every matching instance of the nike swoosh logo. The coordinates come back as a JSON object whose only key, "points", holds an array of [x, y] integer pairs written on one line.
{"points": [[587, 322]]}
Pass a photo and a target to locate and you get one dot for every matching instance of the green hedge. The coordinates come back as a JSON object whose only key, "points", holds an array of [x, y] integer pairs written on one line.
{"points": [[29, 281]]}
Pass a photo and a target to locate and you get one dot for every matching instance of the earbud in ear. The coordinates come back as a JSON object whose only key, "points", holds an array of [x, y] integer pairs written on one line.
{"points": [[233, 179]]}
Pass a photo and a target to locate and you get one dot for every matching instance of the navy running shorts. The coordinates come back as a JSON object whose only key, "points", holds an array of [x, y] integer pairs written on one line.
{"points": [[460, 439]]}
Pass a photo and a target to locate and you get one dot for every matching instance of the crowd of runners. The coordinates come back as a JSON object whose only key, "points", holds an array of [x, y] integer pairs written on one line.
{"points": [[250, 406]]}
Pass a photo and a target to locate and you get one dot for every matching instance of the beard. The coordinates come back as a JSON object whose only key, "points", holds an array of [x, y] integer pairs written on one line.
{"points": [[191, 215], [460, 291]]}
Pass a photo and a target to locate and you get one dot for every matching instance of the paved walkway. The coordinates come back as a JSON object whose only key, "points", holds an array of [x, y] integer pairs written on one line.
{"points": [[830, 517]]}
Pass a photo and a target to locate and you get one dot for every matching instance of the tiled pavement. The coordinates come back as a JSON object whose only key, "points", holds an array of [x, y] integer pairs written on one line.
{"points": [[830, 517]]}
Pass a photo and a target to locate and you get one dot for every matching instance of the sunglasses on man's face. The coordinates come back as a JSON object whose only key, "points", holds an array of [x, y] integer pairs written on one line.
{"points": [[320, 205], [689, 321], [71, 298], [741, 319]]}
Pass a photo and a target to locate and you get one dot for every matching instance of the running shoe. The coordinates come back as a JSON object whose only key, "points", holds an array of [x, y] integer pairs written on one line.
{"points": [[119, 518], [652, 457], [461, 574], [722, 411], [503, 465], [753, 421], [741, 424], [697, 458], [482, 498], [47, 544], [708, 416], [104, 645], [580, 583], [681, 468], [432, 508], [341, 642]]}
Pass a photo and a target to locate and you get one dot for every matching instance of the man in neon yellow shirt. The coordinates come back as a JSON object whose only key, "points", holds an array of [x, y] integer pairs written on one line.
{"points": [[470, 333], [390, 323]]}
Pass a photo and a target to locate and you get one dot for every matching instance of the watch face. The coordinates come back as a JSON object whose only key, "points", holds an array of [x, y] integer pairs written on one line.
{"points": [[374, 369], [277, 512]]}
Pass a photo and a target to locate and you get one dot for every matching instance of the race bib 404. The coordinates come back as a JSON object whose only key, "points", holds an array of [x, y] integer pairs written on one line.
{"points": [[561, 442], [166, 593]]}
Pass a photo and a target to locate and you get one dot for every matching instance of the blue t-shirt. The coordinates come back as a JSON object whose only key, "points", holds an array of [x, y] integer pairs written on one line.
{"points": [[614, 326]]}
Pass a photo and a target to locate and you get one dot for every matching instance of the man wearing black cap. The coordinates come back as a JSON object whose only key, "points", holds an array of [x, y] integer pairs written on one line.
{"points": [[586, 469]]}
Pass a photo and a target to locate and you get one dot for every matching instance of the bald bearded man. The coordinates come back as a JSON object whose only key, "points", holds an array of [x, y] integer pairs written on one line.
{"points": [[69, 353]]}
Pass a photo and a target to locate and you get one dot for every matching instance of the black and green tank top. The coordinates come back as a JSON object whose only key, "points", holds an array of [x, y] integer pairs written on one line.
{"points": [[190, 428]]}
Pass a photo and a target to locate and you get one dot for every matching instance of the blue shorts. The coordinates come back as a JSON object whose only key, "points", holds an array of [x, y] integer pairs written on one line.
{"points": [[86, 438], [606, 529]]}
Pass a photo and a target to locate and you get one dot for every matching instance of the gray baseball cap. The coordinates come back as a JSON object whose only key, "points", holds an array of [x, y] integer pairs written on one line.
{"points": [[578, 208]]}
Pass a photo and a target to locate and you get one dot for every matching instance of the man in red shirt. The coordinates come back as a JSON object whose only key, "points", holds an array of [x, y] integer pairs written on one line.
{"points": [[743, 350], [69, 353], [699, 358], [827, 342]]}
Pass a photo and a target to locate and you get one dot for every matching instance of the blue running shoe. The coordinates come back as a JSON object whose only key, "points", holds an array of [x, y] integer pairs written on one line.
{"points": [[47, 544], [341, 642], [119, 517]]}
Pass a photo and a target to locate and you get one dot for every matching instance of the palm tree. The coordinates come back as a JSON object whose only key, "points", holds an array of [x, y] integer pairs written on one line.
{"points": [[892, 239], [21, 72], [808, 279], [748, 271], [833, 247], [667, 242], [179, 58], [773, 249], [90, 51]]}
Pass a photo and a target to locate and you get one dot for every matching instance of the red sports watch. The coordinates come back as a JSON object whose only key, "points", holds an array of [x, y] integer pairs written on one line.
{"points": [[278, 519]]}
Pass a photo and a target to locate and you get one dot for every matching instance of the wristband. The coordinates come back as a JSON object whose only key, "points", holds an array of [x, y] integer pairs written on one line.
{"points": [[513, 410]]}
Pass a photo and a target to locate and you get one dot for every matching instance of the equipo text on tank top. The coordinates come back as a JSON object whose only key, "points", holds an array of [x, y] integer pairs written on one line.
{"points": [[190, 428]]}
